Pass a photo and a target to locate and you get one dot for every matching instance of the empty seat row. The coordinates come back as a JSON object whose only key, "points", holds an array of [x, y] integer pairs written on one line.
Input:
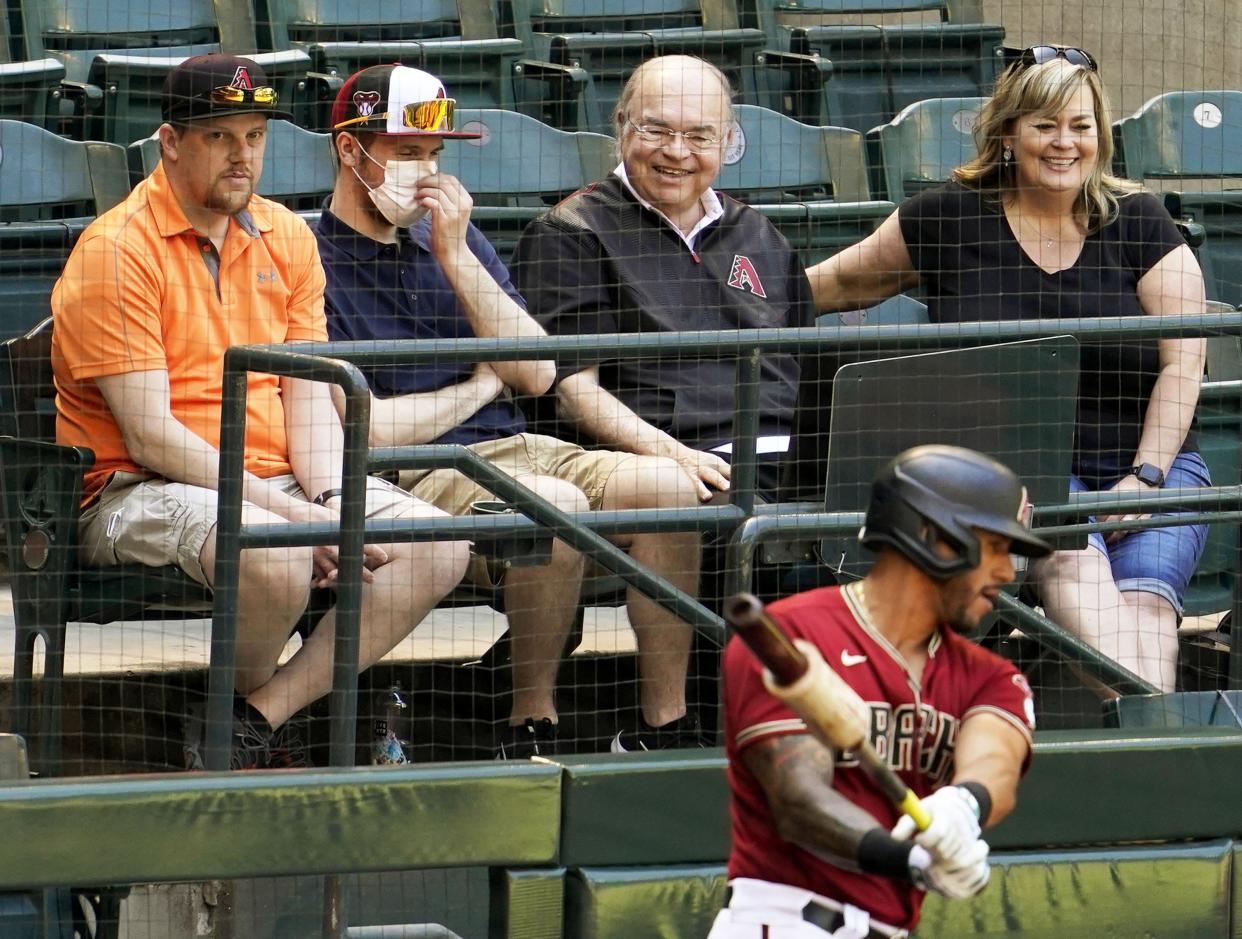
{"points": [[94, 70]]}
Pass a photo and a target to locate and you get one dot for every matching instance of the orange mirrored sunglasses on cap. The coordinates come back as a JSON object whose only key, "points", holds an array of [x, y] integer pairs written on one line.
{"points": [[430, 117], [231, 94]]}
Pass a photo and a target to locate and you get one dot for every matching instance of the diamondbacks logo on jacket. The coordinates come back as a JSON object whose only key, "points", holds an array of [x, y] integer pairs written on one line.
{"points": [[743, 276]]}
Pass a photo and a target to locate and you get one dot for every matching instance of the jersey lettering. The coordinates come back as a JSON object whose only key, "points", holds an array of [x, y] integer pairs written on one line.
{"points": [[897, 734]]}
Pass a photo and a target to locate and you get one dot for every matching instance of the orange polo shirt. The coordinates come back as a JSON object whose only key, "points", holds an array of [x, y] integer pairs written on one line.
{"points": [[139, 293]]}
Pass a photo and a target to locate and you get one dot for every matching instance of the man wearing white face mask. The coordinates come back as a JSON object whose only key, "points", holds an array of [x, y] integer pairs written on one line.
{"points": [[403, 262]]}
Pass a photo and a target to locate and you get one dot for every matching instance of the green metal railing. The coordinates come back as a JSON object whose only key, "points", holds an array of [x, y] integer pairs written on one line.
{"points": [[336, 363]]}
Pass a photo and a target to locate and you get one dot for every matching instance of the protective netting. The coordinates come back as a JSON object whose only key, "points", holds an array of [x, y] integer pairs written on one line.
{"points": [[837, 153]]}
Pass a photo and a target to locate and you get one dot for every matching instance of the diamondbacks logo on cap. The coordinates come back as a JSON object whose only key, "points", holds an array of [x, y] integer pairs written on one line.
{"points": [[365, 102], [743, 276], [241, 78]]}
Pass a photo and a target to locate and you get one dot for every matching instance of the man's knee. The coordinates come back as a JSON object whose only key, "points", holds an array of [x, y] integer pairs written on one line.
{"points": [[279, 578], [651, 482]]}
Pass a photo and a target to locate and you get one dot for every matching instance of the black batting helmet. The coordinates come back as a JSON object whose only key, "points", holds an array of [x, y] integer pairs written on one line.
{"points": [[929, 493]]}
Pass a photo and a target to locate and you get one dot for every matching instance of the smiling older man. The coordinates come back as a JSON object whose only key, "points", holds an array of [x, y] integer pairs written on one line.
{"points": [[653, 248]]}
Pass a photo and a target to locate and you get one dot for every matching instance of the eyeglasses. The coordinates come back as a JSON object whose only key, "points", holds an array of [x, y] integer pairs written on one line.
{"points": [[1038, 55], [231, 94], [696, 141]]}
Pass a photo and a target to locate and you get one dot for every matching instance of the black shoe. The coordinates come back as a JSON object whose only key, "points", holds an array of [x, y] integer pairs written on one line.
{"points": [[685, 733], [531, 738]]}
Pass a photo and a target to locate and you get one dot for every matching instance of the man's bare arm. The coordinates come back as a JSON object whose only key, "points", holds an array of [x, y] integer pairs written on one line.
{"points": [[991, 751], [142, 406], [407, 420], [492, 313]]}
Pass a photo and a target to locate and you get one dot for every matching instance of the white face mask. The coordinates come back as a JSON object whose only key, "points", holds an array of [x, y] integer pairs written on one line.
{"points": [[395, 196]]}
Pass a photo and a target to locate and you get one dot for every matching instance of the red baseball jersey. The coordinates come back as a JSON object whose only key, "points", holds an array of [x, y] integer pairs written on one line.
{"points": [[914, 725]]}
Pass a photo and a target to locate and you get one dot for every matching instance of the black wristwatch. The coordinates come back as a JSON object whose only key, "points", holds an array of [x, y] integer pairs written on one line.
{"points": [[1148, 474]]}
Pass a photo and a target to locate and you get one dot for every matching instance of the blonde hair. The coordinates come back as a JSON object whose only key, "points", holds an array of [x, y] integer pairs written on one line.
{"points": [[1045, 89]]}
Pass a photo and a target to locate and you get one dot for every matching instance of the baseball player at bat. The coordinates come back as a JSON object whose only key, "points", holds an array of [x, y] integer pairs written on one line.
{"points": [[820, 847]]}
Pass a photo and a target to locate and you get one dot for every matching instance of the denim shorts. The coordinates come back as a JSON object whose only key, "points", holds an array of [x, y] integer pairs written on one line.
{"points": [[1158, 560]]}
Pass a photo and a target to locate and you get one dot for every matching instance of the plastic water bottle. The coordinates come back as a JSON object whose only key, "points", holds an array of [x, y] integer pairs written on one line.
{"points": [[386, 748]]}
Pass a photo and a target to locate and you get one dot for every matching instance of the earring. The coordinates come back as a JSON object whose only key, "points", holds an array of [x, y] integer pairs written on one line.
{"points": [[1007, 156]]}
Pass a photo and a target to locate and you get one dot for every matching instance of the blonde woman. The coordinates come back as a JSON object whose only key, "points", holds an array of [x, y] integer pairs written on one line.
{"points": [[1035, 227]]}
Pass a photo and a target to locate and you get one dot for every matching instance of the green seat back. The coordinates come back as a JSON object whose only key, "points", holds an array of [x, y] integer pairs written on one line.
{"points": [[298, 170], [1194, 135], [50, 190], [1184, 134], [809, 181], [519, 168], [134, 83], [922, 145]]}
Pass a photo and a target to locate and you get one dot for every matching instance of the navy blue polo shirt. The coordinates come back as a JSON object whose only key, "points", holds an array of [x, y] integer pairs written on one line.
{"points": [[379, 292]]}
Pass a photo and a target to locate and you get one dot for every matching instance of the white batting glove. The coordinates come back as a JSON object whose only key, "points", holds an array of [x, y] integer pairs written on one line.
{"points": [[954, 826], [956, 880]]}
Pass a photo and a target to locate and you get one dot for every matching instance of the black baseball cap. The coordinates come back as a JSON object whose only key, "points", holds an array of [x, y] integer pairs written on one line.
{"points": [[217, 85]]}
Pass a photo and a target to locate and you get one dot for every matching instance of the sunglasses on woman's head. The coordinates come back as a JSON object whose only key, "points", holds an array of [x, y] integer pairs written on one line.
{"points": [[1038, 55]]}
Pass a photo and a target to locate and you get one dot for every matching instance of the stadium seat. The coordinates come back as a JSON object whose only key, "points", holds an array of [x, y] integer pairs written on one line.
{"points": [[1194, 135], [885, 54], [608, 39], [1220, 442], [456, 40], [50, 189], [29, 91], [922, 145], [115, 57], [810, 181], [298, 169], [519, 168]]}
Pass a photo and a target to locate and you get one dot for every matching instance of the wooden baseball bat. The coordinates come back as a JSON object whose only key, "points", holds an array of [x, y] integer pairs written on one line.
{"points": [[833, 711]]}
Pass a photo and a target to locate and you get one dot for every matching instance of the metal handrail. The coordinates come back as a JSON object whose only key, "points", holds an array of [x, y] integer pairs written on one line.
{"points": [[336, 362]]}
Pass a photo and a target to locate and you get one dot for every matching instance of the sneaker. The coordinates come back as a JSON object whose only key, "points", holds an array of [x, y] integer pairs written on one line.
{"points": [[287, 747], [685, 733], [531, 738], [253, 745]]}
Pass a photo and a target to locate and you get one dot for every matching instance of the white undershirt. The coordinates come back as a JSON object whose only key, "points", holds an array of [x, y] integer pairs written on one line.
{"points": [[712, 209]]}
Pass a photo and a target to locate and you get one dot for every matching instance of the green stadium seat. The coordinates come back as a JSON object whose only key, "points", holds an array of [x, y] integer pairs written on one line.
{"points": [[116, 56], [29, 90], [879, 66], [510, 191], [298, 169], [810, 181], [922, 145], [608, 39], [50, 190], [1194, 135], [1220, 442], [456, 40]]}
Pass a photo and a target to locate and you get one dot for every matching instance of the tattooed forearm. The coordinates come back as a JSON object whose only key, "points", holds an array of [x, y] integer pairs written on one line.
{"points": [[796, 774]]}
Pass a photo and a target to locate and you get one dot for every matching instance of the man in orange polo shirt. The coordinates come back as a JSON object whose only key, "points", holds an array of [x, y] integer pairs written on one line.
{"points": [[155, 291]]}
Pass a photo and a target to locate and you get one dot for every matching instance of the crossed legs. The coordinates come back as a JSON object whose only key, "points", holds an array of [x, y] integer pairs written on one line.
{"points": [[275, 586]]}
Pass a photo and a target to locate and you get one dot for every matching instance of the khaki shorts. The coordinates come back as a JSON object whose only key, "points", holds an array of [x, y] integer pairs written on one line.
{"points": [[140, 520], [518, 455]]}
